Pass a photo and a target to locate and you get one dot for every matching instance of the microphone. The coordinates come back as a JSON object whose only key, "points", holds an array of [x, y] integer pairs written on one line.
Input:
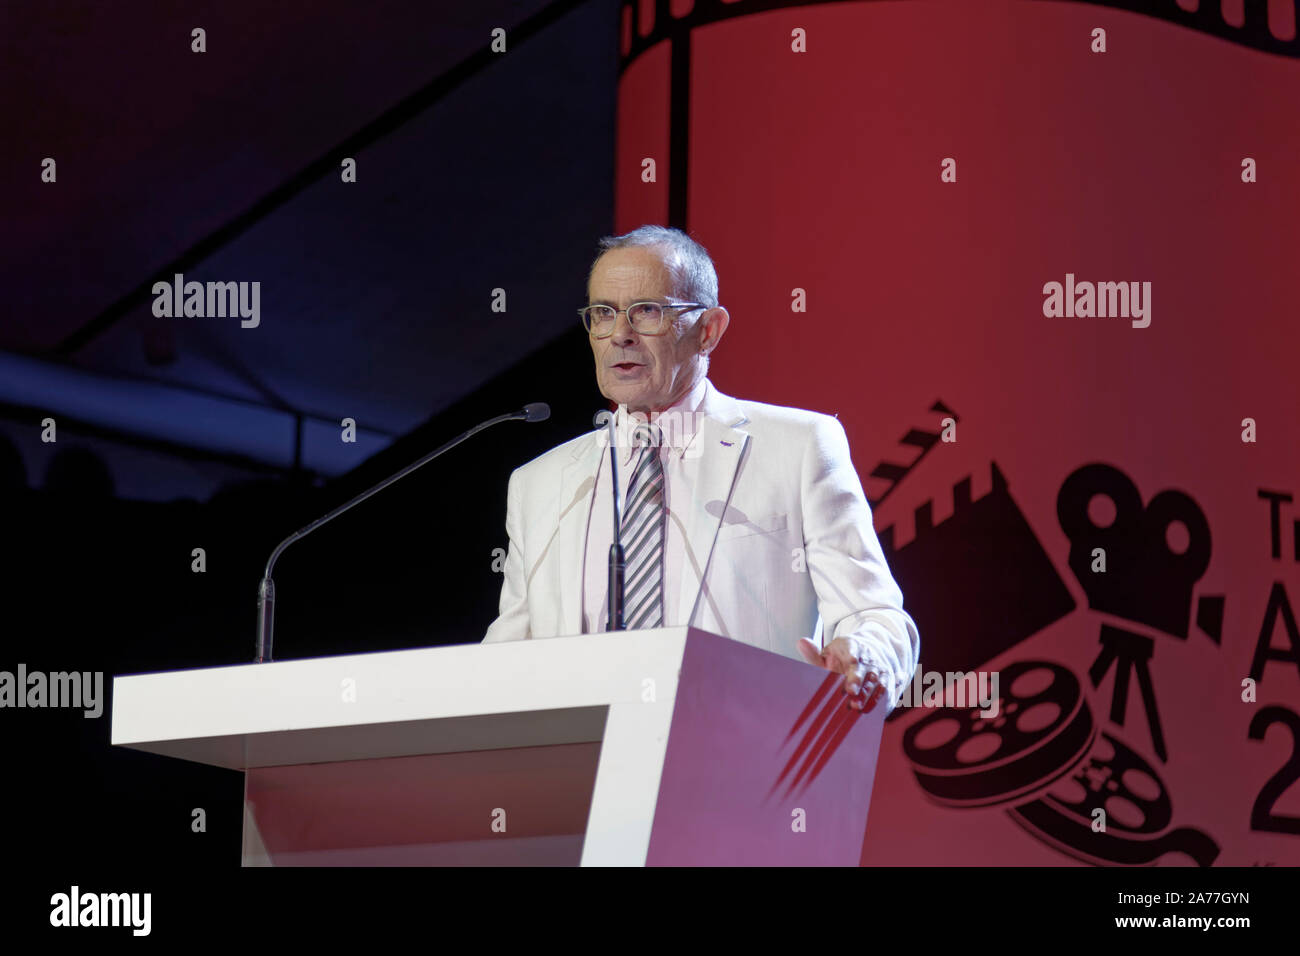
{"points": [[534, 412], [617, 564]]}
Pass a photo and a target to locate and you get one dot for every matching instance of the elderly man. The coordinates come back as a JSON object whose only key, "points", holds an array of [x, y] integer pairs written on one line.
{"points": [[739, 518]]}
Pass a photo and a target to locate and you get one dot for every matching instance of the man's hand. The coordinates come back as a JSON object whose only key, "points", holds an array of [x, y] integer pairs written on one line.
{"points": [[861, 685]]}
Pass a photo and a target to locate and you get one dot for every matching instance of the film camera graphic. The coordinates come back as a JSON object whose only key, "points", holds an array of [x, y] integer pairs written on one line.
{"points": [[978, 584]]}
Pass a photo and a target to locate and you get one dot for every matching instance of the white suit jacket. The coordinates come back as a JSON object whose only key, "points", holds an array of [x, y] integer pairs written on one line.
{"points": [[778, 522]]}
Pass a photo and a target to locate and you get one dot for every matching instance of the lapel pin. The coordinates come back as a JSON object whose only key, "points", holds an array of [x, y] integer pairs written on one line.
{"points": [[727, 443]]}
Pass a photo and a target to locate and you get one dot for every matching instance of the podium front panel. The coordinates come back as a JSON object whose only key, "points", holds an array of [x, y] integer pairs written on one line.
{"points": [[511, 806]]}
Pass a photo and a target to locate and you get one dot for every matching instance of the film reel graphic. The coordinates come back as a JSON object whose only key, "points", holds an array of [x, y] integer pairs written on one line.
{"points": [[1137, 809], [1041, 729]]}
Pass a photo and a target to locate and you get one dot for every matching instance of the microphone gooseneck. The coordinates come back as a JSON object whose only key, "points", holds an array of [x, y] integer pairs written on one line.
{"points": [[617, 564], [534, 412]]}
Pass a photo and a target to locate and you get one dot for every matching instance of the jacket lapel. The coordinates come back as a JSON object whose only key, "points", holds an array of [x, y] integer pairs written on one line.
{"points": [[721, 447], [577, 492]]}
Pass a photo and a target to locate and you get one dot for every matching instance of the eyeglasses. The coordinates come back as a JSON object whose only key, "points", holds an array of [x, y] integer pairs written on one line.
{"points": [[646, 318]]}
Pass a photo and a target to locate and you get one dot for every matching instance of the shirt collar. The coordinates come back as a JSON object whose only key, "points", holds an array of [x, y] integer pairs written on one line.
{"points": [[678, 422]]}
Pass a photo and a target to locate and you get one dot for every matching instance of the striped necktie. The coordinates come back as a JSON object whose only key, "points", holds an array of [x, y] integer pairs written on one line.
{"points": [[643, 534]]}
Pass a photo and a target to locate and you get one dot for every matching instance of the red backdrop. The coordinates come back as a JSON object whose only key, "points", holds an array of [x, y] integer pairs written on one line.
{"points": [[821, 171]]}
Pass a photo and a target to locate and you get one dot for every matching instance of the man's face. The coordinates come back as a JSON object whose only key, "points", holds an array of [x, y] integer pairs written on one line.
{"points": [[643, 372]]}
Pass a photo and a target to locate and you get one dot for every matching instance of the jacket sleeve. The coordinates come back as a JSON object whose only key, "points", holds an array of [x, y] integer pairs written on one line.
{"points": [[857, 596], [512, 622]]}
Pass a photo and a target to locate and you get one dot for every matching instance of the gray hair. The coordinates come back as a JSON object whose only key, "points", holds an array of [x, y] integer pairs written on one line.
{"points": [[694, 277]]}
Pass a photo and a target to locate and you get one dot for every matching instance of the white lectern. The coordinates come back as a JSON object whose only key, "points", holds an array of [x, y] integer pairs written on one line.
{"points": [[661, 747]]}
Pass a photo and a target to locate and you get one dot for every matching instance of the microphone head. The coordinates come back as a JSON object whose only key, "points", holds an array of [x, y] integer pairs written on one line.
{"points": [[537, 412]]}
